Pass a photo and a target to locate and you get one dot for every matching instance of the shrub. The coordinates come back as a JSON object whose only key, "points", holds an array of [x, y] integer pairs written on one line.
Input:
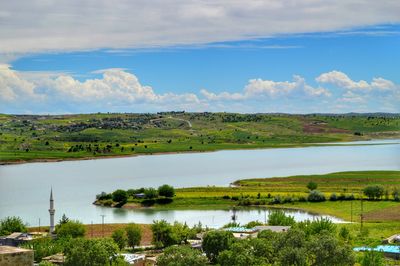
{"points": [[235, 198], [315, 196], [277, 200], [312, 185], [119, 238], [181, 256], [11, 224], [71, 229], [278, 217], [150, 193], [134, 235], [163, 235], [166, 191], [253, 224], [333, 197], [396, 194], [374, 192], [215, 242], [120, 196], [374, 258], [226, 197]]}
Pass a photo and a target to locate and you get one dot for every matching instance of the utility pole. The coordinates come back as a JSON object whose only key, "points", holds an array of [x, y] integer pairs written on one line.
{"points": [[39, 226], [91, 229], [102, 224]]}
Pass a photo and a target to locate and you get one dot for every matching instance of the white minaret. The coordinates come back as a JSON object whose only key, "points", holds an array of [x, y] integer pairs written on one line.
{"points": [[51, 211]]}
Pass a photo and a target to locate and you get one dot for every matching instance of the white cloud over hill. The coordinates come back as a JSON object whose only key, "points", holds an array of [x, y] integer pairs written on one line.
{"points": [[119, 90]]}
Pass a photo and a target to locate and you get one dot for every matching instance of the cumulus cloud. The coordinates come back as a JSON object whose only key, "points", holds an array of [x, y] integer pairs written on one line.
{"points": [[121, 91], [37, 26], [259, 88], [341, 80], [116, 87]]}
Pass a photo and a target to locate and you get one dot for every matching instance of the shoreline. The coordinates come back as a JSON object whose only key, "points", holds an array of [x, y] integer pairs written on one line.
{"points": [[282, 146]]}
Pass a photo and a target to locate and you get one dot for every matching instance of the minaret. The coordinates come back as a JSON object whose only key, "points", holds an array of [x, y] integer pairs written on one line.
{"points": [[51, 211]]}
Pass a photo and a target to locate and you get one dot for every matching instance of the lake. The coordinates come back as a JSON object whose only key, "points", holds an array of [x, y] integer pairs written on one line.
{"points": [[25, 188]]}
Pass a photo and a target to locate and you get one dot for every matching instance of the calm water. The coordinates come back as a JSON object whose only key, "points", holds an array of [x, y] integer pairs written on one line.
{"points": [[24, 189]]}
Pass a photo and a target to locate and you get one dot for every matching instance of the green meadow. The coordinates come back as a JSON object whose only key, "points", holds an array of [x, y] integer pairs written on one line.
{"points": [[26, 138]]}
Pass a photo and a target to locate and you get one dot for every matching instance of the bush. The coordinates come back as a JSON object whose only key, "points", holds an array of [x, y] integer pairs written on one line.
{"points": [[119, 238], [120, 196], [93, 252], [253, 224], [163, 235], [70, 229], [316, 196], [312, 186], [374, 192], [103, 196], [278, 217], [150, 193], [166, 191], [181, 256], [226, 197], [333, 197], [11, 224], [374, 258], [215, 242], [396, 194], [134, 235]]}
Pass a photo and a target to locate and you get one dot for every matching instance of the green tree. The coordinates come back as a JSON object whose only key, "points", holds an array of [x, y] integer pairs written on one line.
{"points": [[120, 196], [119, 238], [215, 242], [374, 192], [247, 252], [45, 246], [64, 219], [163, 234], [11, 224], [325, 249], [91, 252], [278, 217], [181, 232], [166, 191], [150, 193], [312, 185], [134, 235], [181, 256], [71, 229]]}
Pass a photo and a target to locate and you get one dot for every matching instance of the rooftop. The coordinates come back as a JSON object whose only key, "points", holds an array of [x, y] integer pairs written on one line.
{"points": [[9, 250]]}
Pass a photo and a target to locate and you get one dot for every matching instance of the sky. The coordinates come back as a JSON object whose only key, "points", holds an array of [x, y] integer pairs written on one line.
{"points": [[303, 56]]}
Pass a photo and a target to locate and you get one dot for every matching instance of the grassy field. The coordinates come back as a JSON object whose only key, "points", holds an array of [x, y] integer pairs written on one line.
{"points": [[26, 138], [261, 192]]}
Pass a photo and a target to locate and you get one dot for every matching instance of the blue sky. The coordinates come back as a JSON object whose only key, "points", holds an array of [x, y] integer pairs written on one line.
{"points": [[339, 69]]}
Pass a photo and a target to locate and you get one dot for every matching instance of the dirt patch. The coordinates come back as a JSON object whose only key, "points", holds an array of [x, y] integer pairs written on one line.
{"points": [[321, 127], [386, 214], [96, 231]]}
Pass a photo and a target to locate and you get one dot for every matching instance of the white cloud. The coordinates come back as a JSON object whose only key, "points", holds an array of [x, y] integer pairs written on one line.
{"points": [[37, 26], [120, 91], [116, 87], [259, 88], [13, 87], [341, 80]]}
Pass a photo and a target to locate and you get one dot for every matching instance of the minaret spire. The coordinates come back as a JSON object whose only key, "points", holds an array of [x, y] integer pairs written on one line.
{"points": [[51, 211]]}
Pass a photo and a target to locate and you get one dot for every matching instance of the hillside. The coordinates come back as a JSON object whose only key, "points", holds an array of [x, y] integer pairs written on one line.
{"points": [[45, 137]]}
